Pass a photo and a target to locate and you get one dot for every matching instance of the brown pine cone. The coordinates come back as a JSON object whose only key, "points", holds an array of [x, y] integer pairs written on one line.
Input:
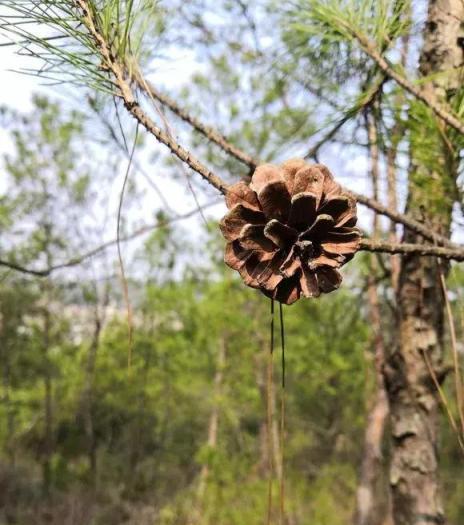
{"points": [[289, 230]]}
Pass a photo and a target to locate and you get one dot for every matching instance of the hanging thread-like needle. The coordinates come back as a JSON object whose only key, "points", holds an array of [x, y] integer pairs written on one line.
{"points": [[121, 261], [270, 380], [282, 419]]}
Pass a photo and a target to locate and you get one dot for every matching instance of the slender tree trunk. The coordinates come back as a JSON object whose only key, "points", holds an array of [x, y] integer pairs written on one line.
{"points": [[48, 409], [397, 134], [88, 399], [261, 380], [139, 426], [6, 373], [373, 505], [47, 378], [213, 423], [412, 394], [88, 394], [369, 504]]}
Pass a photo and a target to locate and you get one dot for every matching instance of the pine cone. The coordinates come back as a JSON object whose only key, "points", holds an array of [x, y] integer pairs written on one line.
{"points": [[289, 230]]}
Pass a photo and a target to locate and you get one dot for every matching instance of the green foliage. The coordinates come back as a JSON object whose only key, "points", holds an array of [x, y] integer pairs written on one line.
{"points": [[137, 437], [151, 421], [335, 22]]}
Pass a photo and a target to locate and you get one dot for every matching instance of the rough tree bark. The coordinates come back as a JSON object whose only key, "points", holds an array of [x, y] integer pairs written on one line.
{"points": [[413, 400]]}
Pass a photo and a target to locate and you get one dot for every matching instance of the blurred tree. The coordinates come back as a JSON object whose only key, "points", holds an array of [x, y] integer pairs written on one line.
{"points": [[48, 187]]}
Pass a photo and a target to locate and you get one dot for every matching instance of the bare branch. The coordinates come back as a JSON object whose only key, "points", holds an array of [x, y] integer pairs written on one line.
{"points": [[456, 254], [411, 224], [367, 245], [75, 261]]}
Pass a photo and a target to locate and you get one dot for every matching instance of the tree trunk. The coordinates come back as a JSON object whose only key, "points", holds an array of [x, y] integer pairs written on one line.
{"points": [[370, 504], [261, 364], [48, 410], [397, 134], [88, 399], [213, 423], [9, 410], [88, 394], [47, 377], [412, 394]]}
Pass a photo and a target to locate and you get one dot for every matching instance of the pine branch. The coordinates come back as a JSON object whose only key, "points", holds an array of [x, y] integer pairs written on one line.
{"points": [[222, 141], [132, 105], [122, 80], [442, 112], [407, 221]]}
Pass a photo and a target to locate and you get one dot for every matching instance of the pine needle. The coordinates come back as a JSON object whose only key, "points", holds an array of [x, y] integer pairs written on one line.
{"points": [[270, 381]]}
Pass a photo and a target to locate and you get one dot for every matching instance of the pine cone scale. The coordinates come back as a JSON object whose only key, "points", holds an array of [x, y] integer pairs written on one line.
{"points": [[274, 199], [244, 195], [252, 237], [281, 234], [303, 210], [239, 216]]}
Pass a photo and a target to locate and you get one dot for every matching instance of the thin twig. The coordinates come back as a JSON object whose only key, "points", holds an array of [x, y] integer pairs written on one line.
{"points": [[282, 419], [454, 350], [443, 399], [270, 416], [122, 146], [370, 245], [75, 261]]}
